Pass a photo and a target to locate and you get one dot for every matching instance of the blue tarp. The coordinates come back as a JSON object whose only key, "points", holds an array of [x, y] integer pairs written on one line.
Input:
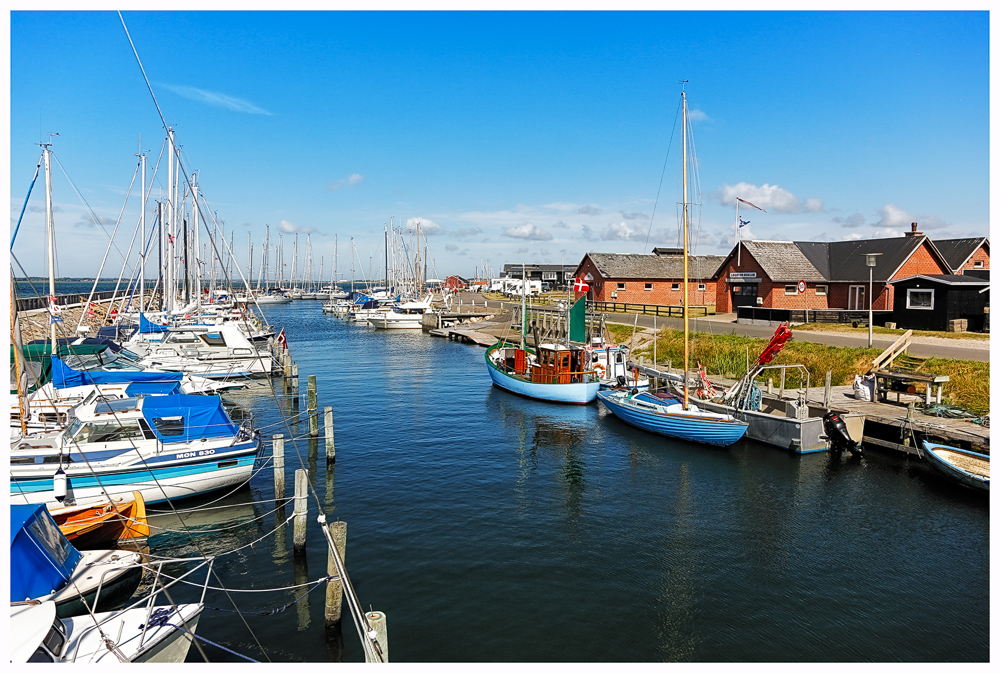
{"points": [[143, 388], [89, 341], [146, 327], [41, 558], [186, 418], [64, 376]]}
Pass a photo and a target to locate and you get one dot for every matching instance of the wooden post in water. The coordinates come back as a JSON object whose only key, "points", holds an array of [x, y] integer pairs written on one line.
{"points": [[278, 463], [295, 386], [376, 622], [301, 511], [287, 367], [331, 451], [335, 588], [312, 410], [828, 389]]}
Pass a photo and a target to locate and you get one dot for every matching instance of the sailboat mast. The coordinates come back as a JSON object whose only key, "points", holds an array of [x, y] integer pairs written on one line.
{"points": [[684, 197], [142, 234], [50, 234]]}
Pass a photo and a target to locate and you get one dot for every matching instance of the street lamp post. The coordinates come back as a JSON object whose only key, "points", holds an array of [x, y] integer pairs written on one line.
{"points": [[870, 261]]}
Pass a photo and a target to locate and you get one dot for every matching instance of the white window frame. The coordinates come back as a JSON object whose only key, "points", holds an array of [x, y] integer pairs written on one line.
{"points": [[676, 287], [701, 287], [548, 275], [648, 287], [791, 290], [821, 290], [621, 286], [977, 264], [922, 290]]}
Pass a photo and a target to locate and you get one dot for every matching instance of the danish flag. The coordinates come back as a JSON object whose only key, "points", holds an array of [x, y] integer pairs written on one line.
{"points": [[580, 285]]}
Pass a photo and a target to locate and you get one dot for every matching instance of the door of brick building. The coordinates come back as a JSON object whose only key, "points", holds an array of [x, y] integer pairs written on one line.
{"points": [[744, 294]]}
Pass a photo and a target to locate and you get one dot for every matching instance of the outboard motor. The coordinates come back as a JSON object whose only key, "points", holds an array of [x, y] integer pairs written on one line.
{"points": [[836, 432], [620, 380]]}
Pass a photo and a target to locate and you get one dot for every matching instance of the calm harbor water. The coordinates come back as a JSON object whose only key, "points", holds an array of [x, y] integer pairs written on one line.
{"points": [[491, 528]]}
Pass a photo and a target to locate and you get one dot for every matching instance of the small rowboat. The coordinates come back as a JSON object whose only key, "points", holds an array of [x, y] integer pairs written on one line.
{"points": [[968, 468], [101, 524]]}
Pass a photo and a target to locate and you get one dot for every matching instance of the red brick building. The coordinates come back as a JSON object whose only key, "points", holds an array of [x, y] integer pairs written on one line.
{"points": [[836, 274], [649, 278], [455, 283]]}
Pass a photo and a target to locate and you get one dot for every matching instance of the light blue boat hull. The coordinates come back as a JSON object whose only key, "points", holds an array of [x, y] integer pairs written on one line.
{"points": [[716, 432], [564, 393]]}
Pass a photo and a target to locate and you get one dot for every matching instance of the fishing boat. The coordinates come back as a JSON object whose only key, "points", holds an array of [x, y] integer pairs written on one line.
{"points": [[166, 447], [553, 373], [152, 629], [103, 523], [790, 424], [45, 566], [968, 468], [666, 415]]}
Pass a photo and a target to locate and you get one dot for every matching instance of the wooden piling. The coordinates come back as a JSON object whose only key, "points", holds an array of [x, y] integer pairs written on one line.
{"points": [[376, 623], [781, 392], [278, 462], [301, 511], [828, 389], [335, 587], [331, 451], [295, 387], [311, 408]]}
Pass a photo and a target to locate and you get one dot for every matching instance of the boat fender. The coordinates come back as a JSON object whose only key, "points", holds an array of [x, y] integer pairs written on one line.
{"points": [[59, 484]]}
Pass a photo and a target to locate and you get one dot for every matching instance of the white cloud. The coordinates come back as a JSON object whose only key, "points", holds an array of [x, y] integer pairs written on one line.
{"points": [[618, 231], [589, 210], [768, 197], [287, 227], [350, 181], [892, 216], [852, 221], [466, 232], [427, 227], [528, 231], [697, 116], [216, 99]]}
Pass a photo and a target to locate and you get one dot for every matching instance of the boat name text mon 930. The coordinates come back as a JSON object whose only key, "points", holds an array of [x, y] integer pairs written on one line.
{"points": [[191, 454]]}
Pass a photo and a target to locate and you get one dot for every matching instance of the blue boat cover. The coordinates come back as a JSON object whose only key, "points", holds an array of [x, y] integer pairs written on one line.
{"points": [[89, 341], [146, 327], [41, 558], [144, 388], [185, 418], [64, 376]]}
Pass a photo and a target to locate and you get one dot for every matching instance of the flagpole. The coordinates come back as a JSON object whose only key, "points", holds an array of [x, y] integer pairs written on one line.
{"points": [[739, 235]]}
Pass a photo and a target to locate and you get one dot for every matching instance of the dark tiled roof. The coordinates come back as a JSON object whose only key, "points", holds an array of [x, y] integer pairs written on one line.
{"points": [[837, 261], [847, 263], [615, 265], [957, 250]]}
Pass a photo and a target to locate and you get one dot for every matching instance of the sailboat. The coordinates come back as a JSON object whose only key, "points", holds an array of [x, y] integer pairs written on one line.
{"points": [[660, 412]]}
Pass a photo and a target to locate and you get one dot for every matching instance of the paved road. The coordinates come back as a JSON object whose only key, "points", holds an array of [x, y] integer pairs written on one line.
{"points": [[959, 349]]}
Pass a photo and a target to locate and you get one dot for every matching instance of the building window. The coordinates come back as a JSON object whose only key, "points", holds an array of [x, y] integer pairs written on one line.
{"points": [[621, 286], [548, 275], [649, 286], [675, 286], [821, 290], [701, 287], [921, 300], [977, 264], [791, 290]]}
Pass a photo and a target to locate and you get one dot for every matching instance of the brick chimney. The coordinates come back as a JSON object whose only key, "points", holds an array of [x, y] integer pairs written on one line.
{"points": [[913, 230]]}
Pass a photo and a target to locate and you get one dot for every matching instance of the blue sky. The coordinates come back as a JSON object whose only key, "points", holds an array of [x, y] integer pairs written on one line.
{"points": [[513, 136]]}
